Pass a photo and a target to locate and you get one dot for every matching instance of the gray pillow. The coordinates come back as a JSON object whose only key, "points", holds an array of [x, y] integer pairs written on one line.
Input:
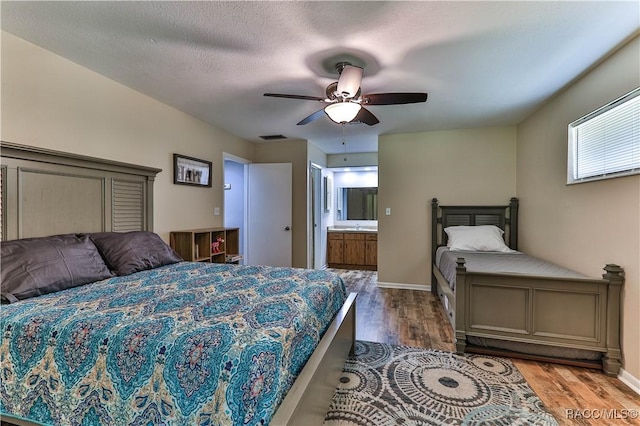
{"points": [[36, 266], [129, 252]]}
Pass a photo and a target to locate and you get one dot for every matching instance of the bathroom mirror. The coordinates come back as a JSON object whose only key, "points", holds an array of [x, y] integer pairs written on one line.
{"points": [[357, 204]]}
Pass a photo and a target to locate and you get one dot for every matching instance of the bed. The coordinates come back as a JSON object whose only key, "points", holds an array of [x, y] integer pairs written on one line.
{"points": [[153, 339], [503, 302]]}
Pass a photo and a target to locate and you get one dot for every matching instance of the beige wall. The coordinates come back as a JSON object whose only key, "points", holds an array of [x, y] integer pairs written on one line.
{"points": [[50, 102], [294, 152], [588, 225], [353, 160], [316, 155], [471, 166]]}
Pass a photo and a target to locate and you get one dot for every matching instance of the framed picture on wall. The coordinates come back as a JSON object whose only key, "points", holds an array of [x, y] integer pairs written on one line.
{"points": [[191, 171]]}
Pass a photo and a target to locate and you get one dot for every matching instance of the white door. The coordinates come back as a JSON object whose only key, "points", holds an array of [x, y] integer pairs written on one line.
{"points": [[269, 214]]}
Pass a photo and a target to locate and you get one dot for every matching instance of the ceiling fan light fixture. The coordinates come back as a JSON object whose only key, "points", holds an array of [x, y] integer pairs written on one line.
{"points": [[342, 112]]}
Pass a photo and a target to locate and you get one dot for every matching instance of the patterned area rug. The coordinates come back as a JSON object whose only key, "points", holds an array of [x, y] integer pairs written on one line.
{"points": [[398, 385]]}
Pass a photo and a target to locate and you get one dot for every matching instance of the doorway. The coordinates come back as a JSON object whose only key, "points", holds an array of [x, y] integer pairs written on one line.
{"points": [[258, 200], [235, 198], [315, 216]]}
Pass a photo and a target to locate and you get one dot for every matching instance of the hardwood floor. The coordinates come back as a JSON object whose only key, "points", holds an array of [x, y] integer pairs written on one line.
{"points": [[574, 395]]}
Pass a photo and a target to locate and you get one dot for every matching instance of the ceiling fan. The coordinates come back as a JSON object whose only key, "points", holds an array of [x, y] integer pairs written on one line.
{"points": [[345, 101]]}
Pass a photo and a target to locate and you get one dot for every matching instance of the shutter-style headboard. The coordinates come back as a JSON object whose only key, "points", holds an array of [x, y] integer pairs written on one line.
{"points": [[127, 211], [504, 217], [47, 192]]}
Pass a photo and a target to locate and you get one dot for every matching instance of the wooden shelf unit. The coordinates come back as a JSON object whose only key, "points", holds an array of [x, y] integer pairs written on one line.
{"points": [[195, 245]]}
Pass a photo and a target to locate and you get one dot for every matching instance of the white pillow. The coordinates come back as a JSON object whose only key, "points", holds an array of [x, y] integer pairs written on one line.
{"points": [[476, 238]]}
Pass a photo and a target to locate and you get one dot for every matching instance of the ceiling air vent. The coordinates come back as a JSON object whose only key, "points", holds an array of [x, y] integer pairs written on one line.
{"points": [[272, 137]]}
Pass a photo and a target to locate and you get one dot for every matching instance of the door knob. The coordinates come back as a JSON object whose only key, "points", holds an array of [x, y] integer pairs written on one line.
{"points": [[288, 228]]}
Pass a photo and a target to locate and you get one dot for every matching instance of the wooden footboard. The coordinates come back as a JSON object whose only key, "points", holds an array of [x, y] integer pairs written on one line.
{"points": [[308, 399], [581, 314]]}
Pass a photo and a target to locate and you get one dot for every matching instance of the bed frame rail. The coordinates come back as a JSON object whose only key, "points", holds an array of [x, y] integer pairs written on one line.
{"points": [[310, 396]]}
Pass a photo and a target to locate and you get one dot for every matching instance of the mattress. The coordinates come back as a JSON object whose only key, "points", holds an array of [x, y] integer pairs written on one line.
{"points": [[189, 343], [498, 262]]}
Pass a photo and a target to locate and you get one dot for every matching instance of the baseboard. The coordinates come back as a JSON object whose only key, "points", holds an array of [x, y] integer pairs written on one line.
{"points": [[405, 286], [629, 380]]}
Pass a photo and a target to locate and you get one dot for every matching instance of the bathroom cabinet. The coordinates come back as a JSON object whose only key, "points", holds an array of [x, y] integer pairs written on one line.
{"points": [[352, 250]]}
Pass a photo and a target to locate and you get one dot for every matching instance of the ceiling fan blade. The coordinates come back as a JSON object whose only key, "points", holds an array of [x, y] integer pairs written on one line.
{"points": [[312, 117], [393, 98], [349, 81], [365, 116], [302, 97]]}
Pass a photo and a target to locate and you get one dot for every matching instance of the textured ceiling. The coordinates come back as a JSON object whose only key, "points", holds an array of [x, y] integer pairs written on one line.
{"points": [[482, 63]]}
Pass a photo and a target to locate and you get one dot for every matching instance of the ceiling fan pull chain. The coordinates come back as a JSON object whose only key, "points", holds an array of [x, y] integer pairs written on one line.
{"points": [[344, 142]]}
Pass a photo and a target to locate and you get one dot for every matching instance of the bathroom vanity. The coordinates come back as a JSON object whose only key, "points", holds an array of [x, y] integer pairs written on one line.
{"points": [[352, 248]]}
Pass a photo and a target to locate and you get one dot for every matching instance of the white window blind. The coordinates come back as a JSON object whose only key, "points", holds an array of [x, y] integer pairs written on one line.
{"points": [[606, 142]]}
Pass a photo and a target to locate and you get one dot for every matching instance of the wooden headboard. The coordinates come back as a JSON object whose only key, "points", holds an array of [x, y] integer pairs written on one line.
{"points": [[504, 217], [47, 192]]}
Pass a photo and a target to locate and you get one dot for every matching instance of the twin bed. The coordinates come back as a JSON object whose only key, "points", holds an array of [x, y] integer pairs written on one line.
{"points": [[500, 301], [123, 332]]}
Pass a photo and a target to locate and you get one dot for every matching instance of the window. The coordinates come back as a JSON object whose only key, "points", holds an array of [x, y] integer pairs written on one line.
{"points": [[606, 143]]}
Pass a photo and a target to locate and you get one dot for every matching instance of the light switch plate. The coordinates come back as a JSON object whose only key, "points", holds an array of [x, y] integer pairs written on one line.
{"points": [[216, 211], [388, 211]]}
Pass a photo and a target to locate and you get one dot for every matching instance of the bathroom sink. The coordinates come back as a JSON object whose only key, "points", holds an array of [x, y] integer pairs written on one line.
{"points": [[352, 229]]}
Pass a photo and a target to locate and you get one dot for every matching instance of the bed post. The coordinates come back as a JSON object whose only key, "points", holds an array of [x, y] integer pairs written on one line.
{"points": [[611, 362], [434, 242], [513, 223], [460, 305]]}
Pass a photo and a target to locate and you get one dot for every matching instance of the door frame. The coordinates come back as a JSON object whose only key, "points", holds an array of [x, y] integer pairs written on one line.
{"points": [[314, 225], [245, 220]]}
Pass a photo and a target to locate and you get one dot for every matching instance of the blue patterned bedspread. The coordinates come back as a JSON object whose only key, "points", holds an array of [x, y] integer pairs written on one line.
{"points": [[184, 344]]}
